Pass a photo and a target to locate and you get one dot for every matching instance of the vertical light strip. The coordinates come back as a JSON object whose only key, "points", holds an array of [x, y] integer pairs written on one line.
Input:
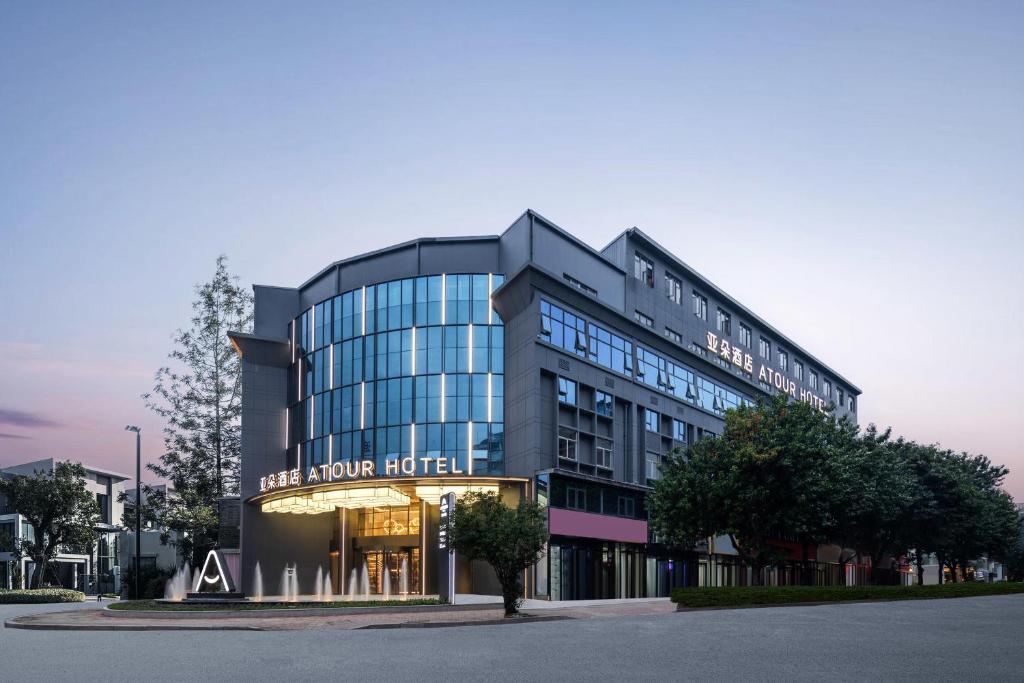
{"points": [[470, 342], [341, 565], [331, 367], [311, 411], [489, 397], [362, 405], [412, 440], [442, 397], [444, 297], [490, 303], [294, 325], [362, 317], [469, 448], [423, 545], [330, 449], [312, 327], [413, 351], [298, 456]]}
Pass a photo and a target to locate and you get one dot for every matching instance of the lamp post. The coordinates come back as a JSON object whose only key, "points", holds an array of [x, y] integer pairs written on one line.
{"points": [[138, 503]]}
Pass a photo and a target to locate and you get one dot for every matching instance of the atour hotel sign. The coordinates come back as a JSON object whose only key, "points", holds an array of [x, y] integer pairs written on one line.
{"points": [[358, 470], [735, 355]]}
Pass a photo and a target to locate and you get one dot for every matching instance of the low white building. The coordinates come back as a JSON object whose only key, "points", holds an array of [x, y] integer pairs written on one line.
{"points": [[94, 571]]}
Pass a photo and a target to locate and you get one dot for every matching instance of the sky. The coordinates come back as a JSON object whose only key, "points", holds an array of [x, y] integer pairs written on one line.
{"points": [[853, 172]]}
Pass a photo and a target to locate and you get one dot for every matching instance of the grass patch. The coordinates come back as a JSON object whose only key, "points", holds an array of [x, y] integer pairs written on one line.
{"points": [[154, 606], [37, 596], [749, 596]]}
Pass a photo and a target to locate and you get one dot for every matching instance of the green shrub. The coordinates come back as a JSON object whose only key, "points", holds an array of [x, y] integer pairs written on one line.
{"points": [[746, 596], [40, 595], [152, 584]]}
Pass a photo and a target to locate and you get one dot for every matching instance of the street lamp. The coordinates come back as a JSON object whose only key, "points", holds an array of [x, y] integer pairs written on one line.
{"points": [[138, 502]]}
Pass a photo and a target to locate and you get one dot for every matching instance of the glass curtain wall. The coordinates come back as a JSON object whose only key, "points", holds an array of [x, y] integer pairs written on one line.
{"points": [[407, 367]]}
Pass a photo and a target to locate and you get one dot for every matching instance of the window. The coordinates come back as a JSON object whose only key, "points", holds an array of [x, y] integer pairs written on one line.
{"points": [[798, 370], [853, 406], [582, 286], [651, 419], [604, 404], [839, 397], [679, 430], [724, 322], [603, 453], [766, 349], [814, 380], [643, 269], [567, 443], [700, 305], [627, 506], [644, 320], [575, 498], [674, 336], [826, 387], [746, 336], [673, 289], [567, 330], [653, 465], [566, 391]]}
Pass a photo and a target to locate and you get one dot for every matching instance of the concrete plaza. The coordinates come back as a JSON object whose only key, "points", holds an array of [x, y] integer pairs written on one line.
{"points": [[971, 638]]}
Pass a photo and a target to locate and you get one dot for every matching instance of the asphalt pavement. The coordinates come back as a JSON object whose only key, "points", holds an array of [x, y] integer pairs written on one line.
{"points": [[966, 639]]}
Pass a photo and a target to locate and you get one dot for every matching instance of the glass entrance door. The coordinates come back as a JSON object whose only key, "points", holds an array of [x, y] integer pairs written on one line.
{"points": [[393, 571]]}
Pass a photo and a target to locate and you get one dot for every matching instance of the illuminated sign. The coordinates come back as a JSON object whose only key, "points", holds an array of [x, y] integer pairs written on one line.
{"points": [[360, 469], [735, 355]]}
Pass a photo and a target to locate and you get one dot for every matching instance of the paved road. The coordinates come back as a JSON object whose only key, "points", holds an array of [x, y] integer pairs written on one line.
{"points": [[966, 639]]}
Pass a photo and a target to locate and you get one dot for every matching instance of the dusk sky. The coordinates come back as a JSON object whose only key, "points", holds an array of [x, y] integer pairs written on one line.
{"points": [[854, 173]]}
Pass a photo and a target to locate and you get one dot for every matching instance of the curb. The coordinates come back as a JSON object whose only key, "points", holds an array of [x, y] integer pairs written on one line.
{"points": [[29, 626], [525, 619], [865, 601], [285, 612]]}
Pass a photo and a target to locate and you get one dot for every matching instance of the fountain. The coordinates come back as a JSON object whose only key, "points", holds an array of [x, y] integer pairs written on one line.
{"points": [[257, 584], [328, 592], [352, 585], [364, 582], [318, 584], [177, 586], [290, 583], [403, 579], [385, 577]]}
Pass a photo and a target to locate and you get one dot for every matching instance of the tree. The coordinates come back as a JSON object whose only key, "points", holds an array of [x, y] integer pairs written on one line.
{"points": [[58, 507], [200, 398], [769, 476], [509, 539]]}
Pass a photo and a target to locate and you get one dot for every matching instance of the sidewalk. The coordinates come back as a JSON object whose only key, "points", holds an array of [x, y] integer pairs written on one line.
{"points": [[99, 620]]}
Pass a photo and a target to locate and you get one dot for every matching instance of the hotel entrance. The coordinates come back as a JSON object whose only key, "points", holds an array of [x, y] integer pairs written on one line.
{"points": [[374, 539], [399, 568], [386, 548]]}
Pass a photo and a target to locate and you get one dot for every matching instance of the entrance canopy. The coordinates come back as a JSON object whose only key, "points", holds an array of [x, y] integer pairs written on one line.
{"points": [[374, 493]]}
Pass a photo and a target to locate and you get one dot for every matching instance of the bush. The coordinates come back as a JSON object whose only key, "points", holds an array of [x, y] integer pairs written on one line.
{"points": [[153, 581], [750, 596], [40, 595]]}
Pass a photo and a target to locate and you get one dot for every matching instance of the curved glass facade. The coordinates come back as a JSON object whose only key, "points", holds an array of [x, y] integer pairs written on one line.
{"points": [[411, 367]]}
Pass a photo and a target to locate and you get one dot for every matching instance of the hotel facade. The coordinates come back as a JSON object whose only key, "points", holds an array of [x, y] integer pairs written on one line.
{"points": [[526, 363]]}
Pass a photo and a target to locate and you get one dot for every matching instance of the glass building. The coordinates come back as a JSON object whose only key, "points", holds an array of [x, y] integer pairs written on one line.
{"points": [[526, 363]]}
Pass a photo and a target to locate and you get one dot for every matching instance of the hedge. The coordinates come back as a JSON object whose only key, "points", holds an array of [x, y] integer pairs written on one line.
{"points": [[40, 595], [753, 596]]}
